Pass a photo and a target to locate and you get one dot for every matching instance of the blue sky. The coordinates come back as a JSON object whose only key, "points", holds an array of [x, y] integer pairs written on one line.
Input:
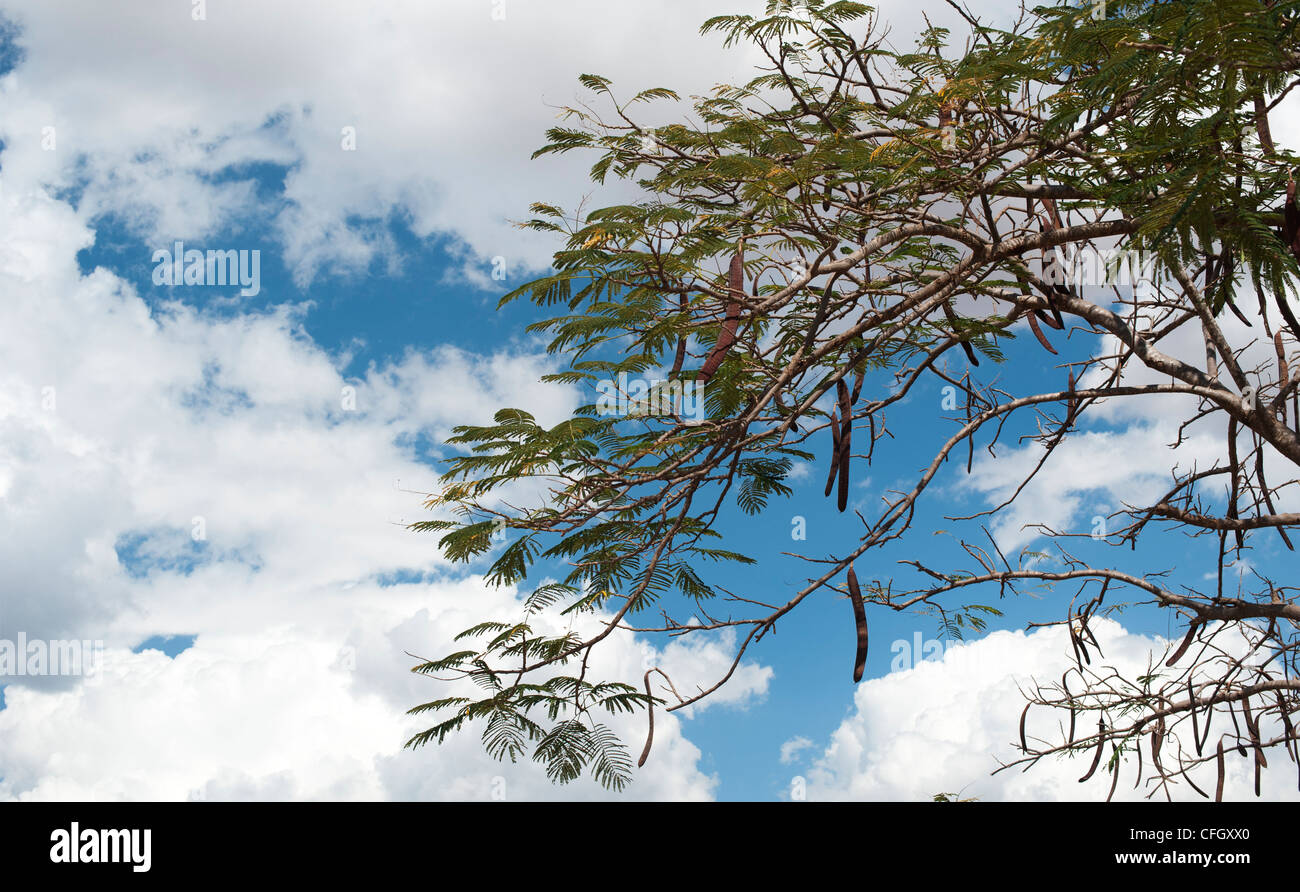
{"points": [[271, 650]]}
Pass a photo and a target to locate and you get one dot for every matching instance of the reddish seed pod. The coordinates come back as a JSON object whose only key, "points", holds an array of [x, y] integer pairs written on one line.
{"points": [[727, 337], [1182, 648], [1038, 333]]}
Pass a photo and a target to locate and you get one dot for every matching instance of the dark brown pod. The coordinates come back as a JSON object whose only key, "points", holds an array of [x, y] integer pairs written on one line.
{"points": [[1218, 788], [1182, 648], [860, 619], [857, 386], [1196, 731], [836, 442], [1096, 759], [846, 441]]}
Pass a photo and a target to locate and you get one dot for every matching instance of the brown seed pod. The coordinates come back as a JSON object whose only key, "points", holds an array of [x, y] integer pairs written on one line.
{"points": [[1283, 373], [1218, 788], [1038, 333], [1137, 780], [1291, 221], [650, 734], [1157, 738], [1191, 699], [1096, 759], [1114, 780], [1252, 727], [835, 453], [1072, 407], [846, 441], [727, 337], [1024, 746], [1286, 724], [860, 619], [1291, 237], [1186, 643]]}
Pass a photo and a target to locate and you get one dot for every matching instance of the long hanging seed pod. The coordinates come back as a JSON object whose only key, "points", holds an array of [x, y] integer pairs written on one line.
{"points": [[1191, 699], [1205, 735], [1291, 236], [860, 620], [1252, 728], [846, 441], [727, 337], [1218, 788], [1286, 723], [1283, 376], [1096, 759], [1235, 476], [836, 445], [1236, 729], [1137, 748], [650, 713], [1114, 781]]}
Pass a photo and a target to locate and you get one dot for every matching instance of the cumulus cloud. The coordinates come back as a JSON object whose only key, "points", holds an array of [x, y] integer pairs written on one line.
{"points": [[945, 725], [175, 471]]}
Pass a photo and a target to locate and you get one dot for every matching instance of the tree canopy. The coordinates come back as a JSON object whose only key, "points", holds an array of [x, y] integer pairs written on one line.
{"points": [[808, 246]]}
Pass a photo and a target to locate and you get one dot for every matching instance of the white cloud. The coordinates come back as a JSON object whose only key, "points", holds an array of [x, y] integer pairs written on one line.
{"points": [[157, 419], [447, 102], [943, 725], [791, 749]]}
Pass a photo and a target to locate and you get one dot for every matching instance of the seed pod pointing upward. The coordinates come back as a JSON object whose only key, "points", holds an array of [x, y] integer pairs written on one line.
{"points": [[860, 618], [727, 337], [857, 386]]}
